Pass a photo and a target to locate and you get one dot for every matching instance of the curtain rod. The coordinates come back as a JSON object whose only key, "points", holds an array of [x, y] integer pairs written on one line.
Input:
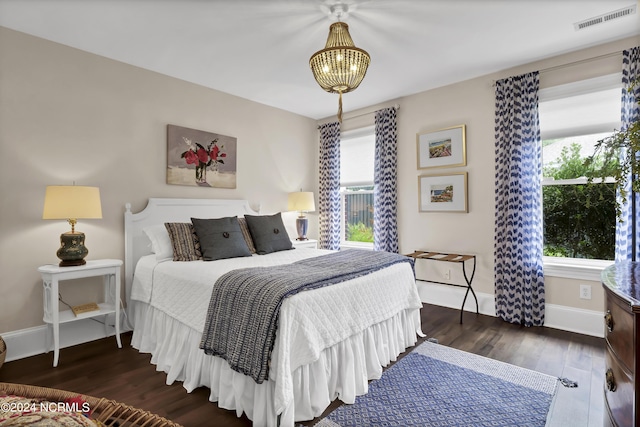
{"points": [[570, 64], [396, 106], [580, 61]]}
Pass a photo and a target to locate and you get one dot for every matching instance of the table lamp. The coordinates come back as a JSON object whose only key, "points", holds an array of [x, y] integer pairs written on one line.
{"points": [[302, 201], [72, 202]]}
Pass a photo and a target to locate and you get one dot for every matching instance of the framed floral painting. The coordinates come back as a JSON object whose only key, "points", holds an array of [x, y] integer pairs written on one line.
{"points": [[200, 158]]}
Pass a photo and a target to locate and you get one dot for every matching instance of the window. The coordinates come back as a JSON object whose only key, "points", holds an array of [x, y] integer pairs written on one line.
{"points": [[357, 149], [579, 220]]}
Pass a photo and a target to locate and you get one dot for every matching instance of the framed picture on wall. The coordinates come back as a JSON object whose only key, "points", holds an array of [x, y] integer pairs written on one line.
{"points": [[443, 193], [442, 148], [200, 158]]}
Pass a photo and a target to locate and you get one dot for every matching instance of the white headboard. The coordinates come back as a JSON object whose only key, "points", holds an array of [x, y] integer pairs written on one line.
{"points": [[159, 211]]}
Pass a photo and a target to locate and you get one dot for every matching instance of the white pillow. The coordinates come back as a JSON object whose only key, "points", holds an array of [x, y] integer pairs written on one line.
{"points": [[160, 241]]}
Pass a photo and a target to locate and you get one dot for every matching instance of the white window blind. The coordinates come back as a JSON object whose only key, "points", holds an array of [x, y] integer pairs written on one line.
{"points": [[357, 150], [581, 108]]}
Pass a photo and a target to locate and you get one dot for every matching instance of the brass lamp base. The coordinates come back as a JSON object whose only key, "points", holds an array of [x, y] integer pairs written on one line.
{"points": [[72, 250]]}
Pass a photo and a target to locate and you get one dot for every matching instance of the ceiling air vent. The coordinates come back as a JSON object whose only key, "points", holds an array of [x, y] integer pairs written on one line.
{"points": [[596, 20]]}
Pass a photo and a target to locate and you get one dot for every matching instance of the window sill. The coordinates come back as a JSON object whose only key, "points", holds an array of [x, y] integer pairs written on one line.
{"points": [[356, 245], [574, 268]]}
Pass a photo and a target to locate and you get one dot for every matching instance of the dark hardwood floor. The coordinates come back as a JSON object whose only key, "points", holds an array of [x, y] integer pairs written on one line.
{"points": [[100, 369]]}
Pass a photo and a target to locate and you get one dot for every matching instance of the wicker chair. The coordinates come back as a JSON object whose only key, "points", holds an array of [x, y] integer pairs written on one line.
{"points": [[108, 412], [3, 351]]}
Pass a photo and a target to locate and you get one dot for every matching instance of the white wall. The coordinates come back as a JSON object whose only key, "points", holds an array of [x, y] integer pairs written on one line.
{"points": [[67, 115]]}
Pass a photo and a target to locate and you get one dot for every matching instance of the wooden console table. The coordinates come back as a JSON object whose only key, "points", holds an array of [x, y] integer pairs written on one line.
{"points": [[460, 259]]}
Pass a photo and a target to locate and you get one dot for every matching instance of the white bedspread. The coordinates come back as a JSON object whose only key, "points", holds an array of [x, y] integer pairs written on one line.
{"points": [[183, 289], [309, 322]]}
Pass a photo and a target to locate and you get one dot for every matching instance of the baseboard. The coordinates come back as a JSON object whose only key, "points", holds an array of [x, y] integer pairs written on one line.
{"points": [[37, 340], [586, 322]]}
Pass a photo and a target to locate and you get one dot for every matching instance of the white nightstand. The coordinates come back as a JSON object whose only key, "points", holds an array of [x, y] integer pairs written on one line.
{"points": [[52, 274], [310, 243]]}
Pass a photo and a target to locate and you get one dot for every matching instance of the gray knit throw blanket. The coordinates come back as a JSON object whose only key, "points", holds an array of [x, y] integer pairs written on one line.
{"points": [[243, 313]]}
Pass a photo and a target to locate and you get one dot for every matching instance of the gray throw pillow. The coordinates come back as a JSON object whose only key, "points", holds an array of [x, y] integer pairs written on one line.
{"points": [[268, 233], [220, 238]]}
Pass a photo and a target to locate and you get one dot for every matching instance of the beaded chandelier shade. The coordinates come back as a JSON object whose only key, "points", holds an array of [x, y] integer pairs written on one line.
{"points": [[340, 66]]}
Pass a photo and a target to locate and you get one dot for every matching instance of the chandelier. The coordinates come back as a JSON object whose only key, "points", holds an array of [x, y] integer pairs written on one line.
{"points": [[340, 66]]}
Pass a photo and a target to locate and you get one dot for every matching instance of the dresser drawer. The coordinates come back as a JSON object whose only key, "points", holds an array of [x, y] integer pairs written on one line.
{"points": [[621, 335], [620, 399]]}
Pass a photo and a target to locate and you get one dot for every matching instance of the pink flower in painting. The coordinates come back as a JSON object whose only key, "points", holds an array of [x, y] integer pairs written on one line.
{"points": [[214, 152], [203, 157], [190, 157]]}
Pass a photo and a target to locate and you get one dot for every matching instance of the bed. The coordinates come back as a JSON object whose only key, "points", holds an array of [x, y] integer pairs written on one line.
{"points": [[329, 342]]}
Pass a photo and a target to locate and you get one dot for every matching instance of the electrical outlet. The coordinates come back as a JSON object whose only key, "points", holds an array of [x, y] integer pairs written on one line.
{"points": [[585, 291], [447, 274]]}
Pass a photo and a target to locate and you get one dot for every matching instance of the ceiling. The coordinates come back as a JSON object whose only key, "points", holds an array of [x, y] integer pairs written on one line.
{"points": [[260, 49]]}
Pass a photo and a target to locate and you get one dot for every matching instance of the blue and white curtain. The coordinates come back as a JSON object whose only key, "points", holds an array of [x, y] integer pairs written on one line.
{"points": [[329, 198], [628, 231], [518, 269], [385, 195]]}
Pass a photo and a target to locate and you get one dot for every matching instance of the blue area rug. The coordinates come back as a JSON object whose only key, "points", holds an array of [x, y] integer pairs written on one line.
{"points": [[439, 386]]}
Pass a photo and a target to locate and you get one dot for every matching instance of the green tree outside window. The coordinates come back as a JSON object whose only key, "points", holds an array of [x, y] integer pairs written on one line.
{"points": [[579, 219]]}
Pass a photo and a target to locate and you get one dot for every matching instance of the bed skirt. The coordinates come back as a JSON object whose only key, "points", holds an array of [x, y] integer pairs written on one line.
{"points": [[342, 371]]}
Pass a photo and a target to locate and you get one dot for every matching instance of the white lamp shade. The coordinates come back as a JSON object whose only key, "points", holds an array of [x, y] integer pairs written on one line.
{"points": [[302, 201], [72, 202]]}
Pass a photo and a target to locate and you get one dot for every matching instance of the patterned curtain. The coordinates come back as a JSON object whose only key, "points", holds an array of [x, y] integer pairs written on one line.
{"points": [[385, 197], [628, 231], [329, 198], [519, 276]]}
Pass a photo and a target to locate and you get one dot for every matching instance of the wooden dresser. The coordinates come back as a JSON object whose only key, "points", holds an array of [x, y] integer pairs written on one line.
{"points": [[621, 283]]}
